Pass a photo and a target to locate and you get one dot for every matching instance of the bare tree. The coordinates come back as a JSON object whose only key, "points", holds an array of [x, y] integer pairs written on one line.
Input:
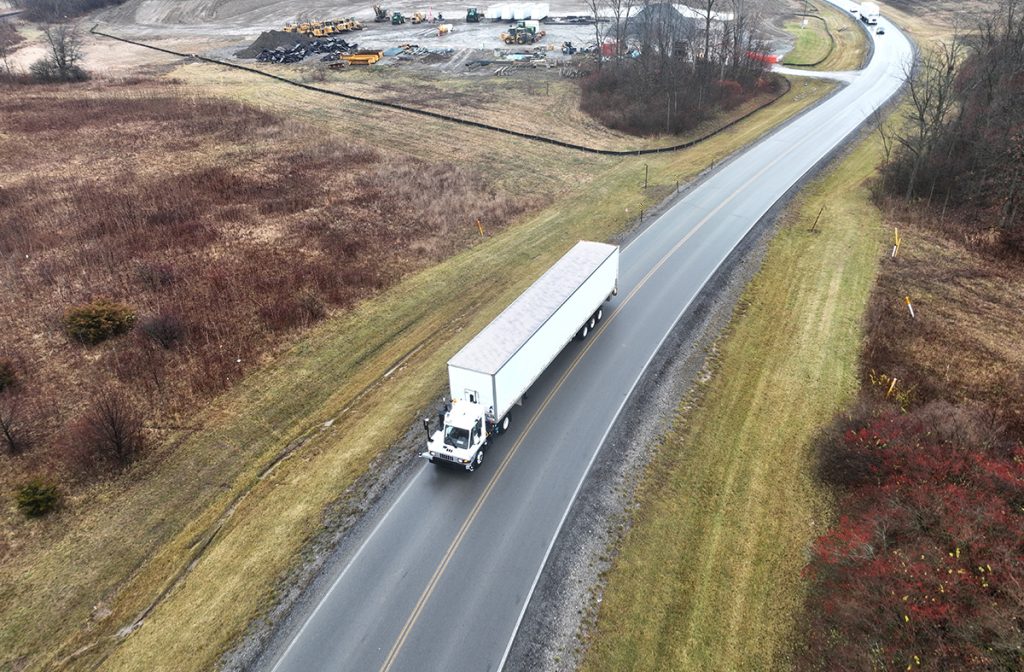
{"points": [[112, 428], [620, 11], [1011, 202], [5, 66], [708, 10], [65, 51], [595, 7], [930, 89], [14, 431]]}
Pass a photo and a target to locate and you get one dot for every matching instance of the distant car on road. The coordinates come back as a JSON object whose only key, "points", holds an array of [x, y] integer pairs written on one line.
{"points": [[880, 31]]}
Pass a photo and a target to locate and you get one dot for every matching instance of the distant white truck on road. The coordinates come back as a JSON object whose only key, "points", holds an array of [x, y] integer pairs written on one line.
{"points": [[492, 373], [869, 13]]}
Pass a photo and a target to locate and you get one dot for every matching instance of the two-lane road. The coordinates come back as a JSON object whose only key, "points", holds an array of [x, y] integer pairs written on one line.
{"points": [[442, 579]]}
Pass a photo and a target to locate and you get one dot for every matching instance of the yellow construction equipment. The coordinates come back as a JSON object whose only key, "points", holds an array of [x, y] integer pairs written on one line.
{"points": [[363, 57], [524, 32], [323, 28], [418, 17]]}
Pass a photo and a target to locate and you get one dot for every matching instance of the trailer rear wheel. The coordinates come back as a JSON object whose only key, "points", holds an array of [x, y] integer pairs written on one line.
{"points": [[593, 321], [599, 314], [504, 424], [584, 331]]}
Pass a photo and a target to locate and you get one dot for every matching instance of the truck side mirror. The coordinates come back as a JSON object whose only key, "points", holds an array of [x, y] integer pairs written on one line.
{"points": [[426, 426]]}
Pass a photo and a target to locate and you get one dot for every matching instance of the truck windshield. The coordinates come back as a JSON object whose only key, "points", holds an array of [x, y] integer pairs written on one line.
{"points": [[455, 437]]}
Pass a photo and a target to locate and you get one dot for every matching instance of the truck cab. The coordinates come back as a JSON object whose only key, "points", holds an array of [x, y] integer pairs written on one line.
{"points": [[462, 437]]}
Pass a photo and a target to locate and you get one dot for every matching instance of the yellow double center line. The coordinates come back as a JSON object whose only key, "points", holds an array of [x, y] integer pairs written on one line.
{"points": [[414, 616]]}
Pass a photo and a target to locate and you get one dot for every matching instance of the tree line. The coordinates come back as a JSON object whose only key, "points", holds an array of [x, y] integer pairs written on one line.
{"points": [[960, 146], [662, 71]]}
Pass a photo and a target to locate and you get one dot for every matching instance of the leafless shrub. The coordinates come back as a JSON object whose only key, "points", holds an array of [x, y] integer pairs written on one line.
{"points": [[166, 329], [15, 423], [109, 434], [8, 374]]}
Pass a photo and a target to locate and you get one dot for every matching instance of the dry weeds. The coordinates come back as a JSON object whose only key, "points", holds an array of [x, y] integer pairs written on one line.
{"points": [[965, 343], [221, 220]]}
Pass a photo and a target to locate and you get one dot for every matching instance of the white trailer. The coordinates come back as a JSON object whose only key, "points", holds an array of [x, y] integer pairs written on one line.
{"points": [[869, 13], [493, 371]]}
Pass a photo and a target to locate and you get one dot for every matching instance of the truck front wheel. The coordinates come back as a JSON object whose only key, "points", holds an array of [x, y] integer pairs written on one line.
{"points": [[504, 424], [477, 460]]}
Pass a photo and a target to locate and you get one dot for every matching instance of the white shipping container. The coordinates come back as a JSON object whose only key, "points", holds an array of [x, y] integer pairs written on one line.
{"points": [[499, 365]]}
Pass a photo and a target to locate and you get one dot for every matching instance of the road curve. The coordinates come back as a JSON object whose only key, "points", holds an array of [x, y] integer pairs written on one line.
{"points": [[442, 579]]}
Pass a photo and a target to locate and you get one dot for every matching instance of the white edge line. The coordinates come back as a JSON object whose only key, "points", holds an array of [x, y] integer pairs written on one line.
{"points": [[348, 566], [600, 445]]}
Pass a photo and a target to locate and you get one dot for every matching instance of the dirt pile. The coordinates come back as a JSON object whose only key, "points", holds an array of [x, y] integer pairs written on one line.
{"points": [[272, 39]]}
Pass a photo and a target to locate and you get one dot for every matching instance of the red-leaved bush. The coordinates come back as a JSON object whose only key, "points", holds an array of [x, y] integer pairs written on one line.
{"points": [[925, 566]]}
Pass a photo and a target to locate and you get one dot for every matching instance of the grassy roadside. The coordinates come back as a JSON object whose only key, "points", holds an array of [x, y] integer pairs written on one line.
{"points": [[108, 561], [813, 43], [708, 577], [851, 45]]}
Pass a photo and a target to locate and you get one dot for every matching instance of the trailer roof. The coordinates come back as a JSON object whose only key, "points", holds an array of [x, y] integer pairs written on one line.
{"points": [[502, 338]]}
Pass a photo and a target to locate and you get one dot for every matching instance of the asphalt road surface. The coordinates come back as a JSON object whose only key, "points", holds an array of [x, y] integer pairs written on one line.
{"points": [[442, 579]]}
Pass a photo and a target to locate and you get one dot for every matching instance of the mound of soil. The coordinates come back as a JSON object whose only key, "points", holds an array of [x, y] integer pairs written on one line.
{"points": [[272, 39]]}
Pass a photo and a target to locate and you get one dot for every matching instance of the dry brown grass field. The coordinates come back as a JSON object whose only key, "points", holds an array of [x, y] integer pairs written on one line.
{"points": [[965, 345], [226, 229]]}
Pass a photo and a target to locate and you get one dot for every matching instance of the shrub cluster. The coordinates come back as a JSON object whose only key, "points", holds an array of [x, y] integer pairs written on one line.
{"points": [[38, 498], [95, 322], [650, 95], [47, 71], [925, 565]]}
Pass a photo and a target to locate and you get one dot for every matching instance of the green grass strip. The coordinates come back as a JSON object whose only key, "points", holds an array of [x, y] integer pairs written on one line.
{"points": [[708, 577]]}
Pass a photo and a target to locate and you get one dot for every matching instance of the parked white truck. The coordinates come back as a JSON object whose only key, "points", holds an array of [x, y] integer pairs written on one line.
{"points": [[869, 13], [493, 371]]}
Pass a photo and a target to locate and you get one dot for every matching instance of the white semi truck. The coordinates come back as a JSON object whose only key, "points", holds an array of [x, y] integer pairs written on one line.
{"points": [[869, 13], [492, 373]]}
